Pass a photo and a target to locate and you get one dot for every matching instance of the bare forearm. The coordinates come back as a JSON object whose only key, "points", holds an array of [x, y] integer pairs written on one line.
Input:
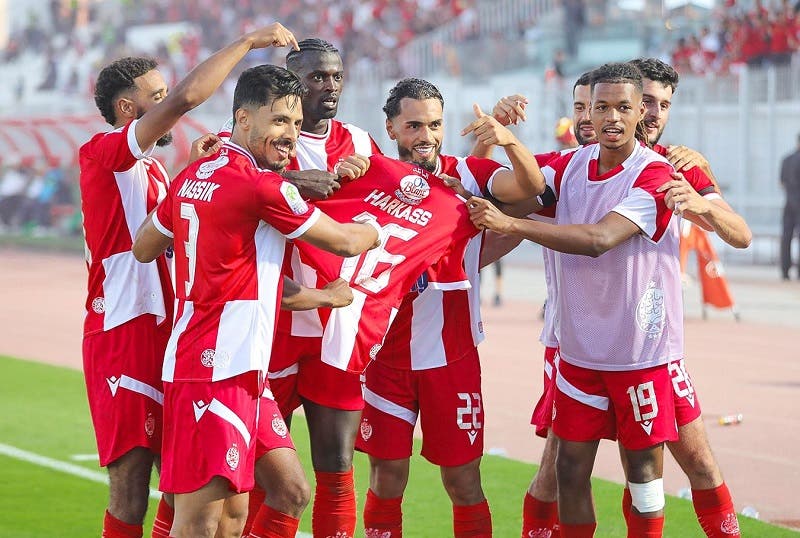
{"points": [[526, 171], [481, 150], [582, 239], [496, 245], [296, 297], [728, 225]]}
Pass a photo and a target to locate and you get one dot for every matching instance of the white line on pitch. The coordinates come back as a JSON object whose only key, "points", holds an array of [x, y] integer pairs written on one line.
{"points": [[84, 457], [75, 470]]}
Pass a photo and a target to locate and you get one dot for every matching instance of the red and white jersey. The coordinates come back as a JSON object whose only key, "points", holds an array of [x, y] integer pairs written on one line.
{"points": [[622, 310], [423, 224], [435, 327], [120, 184], [694, 176], [317, 152], [228, 219]]}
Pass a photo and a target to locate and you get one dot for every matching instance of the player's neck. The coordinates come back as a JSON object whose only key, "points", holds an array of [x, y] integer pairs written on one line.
{"points": [[317, 127], [610, 158]]}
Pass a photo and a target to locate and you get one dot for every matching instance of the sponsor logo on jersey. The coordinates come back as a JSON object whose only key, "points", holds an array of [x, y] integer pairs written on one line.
{"points": [[398, 209], [201, 191], [149, 425], [413, 189], [215, 358], [279, 426], [650, 312], [293, 198], [232, 457], [99, 305], [366, 430], [207, 169]]}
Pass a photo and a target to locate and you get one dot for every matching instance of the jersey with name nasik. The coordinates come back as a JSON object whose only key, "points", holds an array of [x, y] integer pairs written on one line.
{"points": [[229, 220], [624, 309], [423, 222], [120, 184], [435, 327]]}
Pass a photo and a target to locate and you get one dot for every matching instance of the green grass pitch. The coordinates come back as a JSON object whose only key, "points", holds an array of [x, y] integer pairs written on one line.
{"points": [[45, 412]]}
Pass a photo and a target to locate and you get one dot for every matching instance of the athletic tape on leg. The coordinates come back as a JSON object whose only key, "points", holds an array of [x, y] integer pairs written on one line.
{"points": [[647, 497]]}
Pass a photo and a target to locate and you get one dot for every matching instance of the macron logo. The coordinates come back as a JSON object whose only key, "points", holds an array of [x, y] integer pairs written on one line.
{"points": [[198, 190]]}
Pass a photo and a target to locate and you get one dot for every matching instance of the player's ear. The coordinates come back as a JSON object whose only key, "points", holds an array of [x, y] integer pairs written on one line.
{"points": [[242, 118], [390, 130], [126, 108]]}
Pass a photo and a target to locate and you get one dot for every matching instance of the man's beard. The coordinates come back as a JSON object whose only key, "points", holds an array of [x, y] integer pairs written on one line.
{"points": [[165, 140], [406, 154], [582, 141]]}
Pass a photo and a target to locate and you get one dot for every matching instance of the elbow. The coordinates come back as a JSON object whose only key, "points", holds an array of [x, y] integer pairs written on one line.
{"points": [[350, 247], [745, 240], [599, 244], [141, 255]]}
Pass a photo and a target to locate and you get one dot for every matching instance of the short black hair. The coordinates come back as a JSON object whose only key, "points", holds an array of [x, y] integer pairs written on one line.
{"points": [[413, 88], [583, 80], [658, 71], [308, 46], [617, 73], [118, 77], [263, 84]]}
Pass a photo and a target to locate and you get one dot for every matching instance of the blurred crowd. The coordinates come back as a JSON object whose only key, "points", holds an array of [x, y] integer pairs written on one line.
{"points": [[755, 36], [38, 197], [365, 31]]}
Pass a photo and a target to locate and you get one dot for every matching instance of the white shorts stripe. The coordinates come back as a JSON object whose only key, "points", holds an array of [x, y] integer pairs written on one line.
{"points": [[390, 408], [598, 402], [548, 370], [286, 372], [134, 385], [225, 413]]}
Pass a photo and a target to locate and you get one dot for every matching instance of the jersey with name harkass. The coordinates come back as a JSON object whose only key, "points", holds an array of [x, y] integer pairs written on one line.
{"points": [[424, 223], [229, 220]]}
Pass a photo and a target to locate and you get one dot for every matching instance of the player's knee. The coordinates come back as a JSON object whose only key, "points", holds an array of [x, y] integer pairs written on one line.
{"points": [[571, 470], [647, 497], [463, 484]]}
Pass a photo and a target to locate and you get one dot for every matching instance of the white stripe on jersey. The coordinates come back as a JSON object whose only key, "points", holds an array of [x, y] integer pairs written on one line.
{"points": [[361, 140], [168, 370], [224, 412], [128, 287], [390, 408], [427, 345], [286, 372], [341, 332]]}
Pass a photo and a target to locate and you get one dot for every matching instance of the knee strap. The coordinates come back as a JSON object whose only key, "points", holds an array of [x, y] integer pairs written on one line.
{"points": [[647, 497]]}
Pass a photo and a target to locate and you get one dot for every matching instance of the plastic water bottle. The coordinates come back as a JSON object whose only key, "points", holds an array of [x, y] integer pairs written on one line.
{"points": [[685, 493], [730, 420], [749, 511]]}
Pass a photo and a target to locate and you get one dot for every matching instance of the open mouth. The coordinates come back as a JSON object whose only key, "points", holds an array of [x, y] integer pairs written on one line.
{"points": [[612, 133], [283, 148], [425, 151], [330, 102], [586, 130]]}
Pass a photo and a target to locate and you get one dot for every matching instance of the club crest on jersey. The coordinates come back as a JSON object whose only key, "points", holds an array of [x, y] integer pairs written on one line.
{"points": [[650, 312], [366, 430], [293, 198], [99, 305], [413, 189], [149, 425], [232, 457], [279, 426], [205, 170], [215, 358]]}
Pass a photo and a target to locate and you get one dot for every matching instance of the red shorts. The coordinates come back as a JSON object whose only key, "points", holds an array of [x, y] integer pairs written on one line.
{"points": [[448, 400], [687, 406], [210, 429], [272, 430], [122, 369], [543, 412], [636, 406], [312, 379]]}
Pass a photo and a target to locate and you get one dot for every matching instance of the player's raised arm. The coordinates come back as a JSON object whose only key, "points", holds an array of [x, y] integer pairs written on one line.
{"points": [[199, 84], [348, 239], [525, 179]]}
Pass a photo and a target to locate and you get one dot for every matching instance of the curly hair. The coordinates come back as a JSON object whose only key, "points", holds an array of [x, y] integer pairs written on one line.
{"points": [[413, 88], [617, 73], [658, 71], [118, 77]]}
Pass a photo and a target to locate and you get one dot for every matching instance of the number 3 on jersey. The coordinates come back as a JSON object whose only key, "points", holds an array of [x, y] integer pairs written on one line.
{"points": [[366, 277], [189, 213]]}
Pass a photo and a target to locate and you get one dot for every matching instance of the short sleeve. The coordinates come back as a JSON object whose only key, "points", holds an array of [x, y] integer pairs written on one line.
{"points": [[699, 181], [118, 150], [553, 172], [644, 206], [282, 206], [484, 172], [162, 218]]}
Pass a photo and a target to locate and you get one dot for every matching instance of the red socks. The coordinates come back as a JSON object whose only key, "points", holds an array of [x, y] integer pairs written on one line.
{"points": [[472, 521], [583, 530], [254, 502], [538, 517], [627, 502], [714, 509], [645, 527], [114, 528], [334, 505], [383, 517], [163, 521], [269, 523]]}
